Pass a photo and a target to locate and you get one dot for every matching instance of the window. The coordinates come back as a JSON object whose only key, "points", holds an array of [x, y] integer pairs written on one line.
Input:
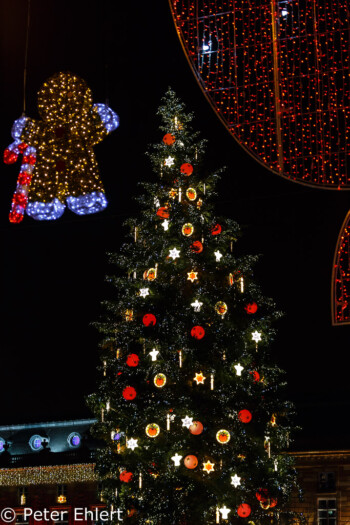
{"points": [[61, 494], [2, 445], [326, 511], [74, 440], [23, 495], [326, 482], [36, 442]]}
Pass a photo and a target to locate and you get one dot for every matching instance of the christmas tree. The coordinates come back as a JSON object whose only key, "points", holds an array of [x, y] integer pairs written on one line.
{"points": [[189, 403]]}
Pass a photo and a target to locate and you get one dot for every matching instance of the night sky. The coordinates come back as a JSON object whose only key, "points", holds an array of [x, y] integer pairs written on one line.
{"points": [[53, 273]]}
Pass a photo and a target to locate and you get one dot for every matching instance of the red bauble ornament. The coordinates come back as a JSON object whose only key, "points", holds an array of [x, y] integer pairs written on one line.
{"points": [[191, 462], [262, 494], [129, 393], [244, 510], [132, 360], [186, 169], [163, 212], [168, 139], [273, 502], [216, 229], [196, 428], [149, 320], [10, 157], [256, 376], [251, 308], [198, 332], [245, 416], [197, 247], [125, 476]]}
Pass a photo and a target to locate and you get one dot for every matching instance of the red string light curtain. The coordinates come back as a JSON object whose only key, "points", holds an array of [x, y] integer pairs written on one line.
{"points": [[341, 277], [277, 74]]}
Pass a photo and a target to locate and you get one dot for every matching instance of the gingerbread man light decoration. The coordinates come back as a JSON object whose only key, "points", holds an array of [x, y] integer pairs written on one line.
{"points": [[59, 167]]}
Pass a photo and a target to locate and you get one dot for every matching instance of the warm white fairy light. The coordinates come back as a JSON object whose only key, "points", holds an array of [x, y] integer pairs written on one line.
{"points": [[187, 421], [140, 480], [197, 305], [242, 284], [108, 406], [211, 381], [180, 194], [180, 358], [144, 292], [104, 368], [174, 253], [168, 421], [176, 459], [154, 354], [238, 369]]}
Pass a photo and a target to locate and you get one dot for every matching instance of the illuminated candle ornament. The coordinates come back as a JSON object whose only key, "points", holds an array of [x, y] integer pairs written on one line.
{"points": [[180, 358], [140, 480]]}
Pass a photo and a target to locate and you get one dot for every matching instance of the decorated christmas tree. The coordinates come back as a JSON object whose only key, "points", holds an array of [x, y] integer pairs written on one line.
{"points": [[189, 402]]}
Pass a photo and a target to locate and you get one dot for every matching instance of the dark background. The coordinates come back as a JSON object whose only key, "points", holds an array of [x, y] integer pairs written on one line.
{"points": [[52, 273]]}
